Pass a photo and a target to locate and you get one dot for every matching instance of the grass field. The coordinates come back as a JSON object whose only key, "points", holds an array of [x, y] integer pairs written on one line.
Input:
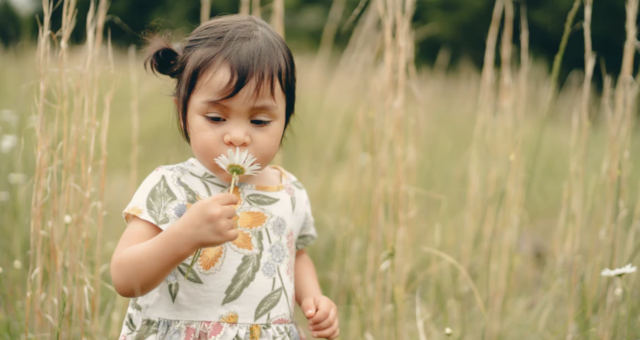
{"points": [[448, 205]]}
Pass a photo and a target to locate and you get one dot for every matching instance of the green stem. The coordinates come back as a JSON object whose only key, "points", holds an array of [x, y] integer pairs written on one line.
{"points": [[557, 60], [284, 290], [234, 181], [193, 261]]}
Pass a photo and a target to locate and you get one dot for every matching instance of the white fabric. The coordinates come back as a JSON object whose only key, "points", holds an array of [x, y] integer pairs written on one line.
{"points": [[240, 289]]}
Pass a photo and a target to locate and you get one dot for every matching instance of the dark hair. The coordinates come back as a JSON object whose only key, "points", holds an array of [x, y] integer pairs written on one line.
{"points": [[248, 45]]}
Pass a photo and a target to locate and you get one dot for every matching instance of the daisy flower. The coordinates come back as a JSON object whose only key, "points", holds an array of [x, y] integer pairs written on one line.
{"points": [[238, 163], [628, 269]]}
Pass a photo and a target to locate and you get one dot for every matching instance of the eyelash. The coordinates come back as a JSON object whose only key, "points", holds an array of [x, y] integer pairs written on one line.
{"points": [[215, 119], [258, 122]]}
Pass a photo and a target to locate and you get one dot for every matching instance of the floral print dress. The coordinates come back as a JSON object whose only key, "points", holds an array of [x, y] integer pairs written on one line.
{"points": [[242, 289]]}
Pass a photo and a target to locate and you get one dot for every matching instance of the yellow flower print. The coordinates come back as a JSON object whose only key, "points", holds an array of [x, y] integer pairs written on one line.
{"points": [[244, 241], [251, 219], [254, 332], [133, 211], [210, 257], [269, 188], [231, 317]]}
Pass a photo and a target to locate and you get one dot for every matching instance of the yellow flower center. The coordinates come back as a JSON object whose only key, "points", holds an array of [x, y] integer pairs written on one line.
{"points": [[235, 169]]}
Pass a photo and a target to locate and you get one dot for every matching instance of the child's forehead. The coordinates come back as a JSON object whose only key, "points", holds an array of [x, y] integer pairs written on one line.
{"points": [[219, 80]]}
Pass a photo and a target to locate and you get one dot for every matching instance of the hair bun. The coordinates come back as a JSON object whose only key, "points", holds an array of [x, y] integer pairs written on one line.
{"points": [[163, 59]]}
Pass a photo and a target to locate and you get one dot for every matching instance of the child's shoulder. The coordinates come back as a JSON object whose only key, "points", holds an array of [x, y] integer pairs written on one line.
{"points": [[289, 178], [187, 167], [181, 173]]}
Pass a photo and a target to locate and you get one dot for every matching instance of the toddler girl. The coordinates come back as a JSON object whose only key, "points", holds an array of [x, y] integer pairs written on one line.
{"points": [[198, 261]]}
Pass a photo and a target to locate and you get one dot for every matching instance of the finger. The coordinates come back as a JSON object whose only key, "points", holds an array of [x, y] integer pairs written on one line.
{"points": [[322, 311], [308, 308], [232, 234], [227, 211], [327, 332], [322, 324], [225, 199], [335, 334]]}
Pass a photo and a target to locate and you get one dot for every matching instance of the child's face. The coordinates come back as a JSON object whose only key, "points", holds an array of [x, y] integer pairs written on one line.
{"points": [[248, 121]]}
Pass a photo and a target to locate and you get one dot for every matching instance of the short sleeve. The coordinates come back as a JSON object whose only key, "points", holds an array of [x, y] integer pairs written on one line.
{"points": [[307, 233], [156, 200]]}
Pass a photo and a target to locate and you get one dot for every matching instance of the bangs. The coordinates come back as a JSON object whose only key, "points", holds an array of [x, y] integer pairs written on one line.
{"points": [[252, 62]]}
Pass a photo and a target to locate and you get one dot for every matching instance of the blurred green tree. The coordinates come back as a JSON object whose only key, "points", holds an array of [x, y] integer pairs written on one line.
{"points": [[10, 24], [456, 26]]}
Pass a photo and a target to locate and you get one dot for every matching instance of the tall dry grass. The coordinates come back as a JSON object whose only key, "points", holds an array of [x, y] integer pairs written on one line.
{"points": [[450, 204], [66, 269]]}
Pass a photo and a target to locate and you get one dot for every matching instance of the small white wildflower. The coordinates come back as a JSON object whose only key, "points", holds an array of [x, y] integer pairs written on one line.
{"points": [[1, 270], [384, 265], [628, 269], [4, 196], [448, 331], [17, 264], [7, 143], [618, 291], [17, 178], [67, 219], [9, 116], [237, 162]]}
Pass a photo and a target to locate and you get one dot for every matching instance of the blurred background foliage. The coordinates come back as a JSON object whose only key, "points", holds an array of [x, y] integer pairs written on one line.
{"points": [[450, 31]]}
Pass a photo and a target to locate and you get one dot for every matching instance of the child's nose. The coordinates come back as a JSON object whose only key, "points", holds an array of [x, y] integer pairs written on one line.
{"points": [[236, 138]]}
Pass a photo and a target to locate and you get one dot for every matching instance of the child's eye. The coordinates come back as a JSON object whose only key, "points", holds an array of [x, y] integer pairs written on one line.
{"points": [[215, 118], [260, 122]]}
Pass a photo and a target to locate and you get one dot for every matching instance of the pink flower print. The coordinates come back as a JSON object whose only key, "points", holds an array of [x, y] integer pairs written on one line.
{"points": [[202, 330], [289, 190], [189, 333], [214, 329], [292, 253], [281, 320], [291, 243]]}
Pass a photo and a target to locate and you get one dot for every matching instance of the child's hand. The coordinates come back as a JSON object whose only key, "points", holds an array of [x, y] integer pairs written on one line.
{"points": [[322, 314], [210, 222]]}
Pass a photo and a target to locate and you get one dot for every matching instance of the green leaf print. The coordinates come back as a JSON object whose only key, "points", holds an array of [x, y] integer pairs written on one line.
{"points": [[267, 303], [148, 328], [303, 241], [260, 199], [130, 324], [245, 274], [136, 305], [173, 290], [298, 185], [158, 201], [190, 275], [207, 178], [192, 197], [293, 203]]}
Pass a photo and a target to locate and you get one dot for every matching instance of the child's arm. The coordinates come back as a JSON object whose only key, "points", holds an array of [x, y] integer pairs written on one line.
{"points": [[321, 312], [144, 255]]}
